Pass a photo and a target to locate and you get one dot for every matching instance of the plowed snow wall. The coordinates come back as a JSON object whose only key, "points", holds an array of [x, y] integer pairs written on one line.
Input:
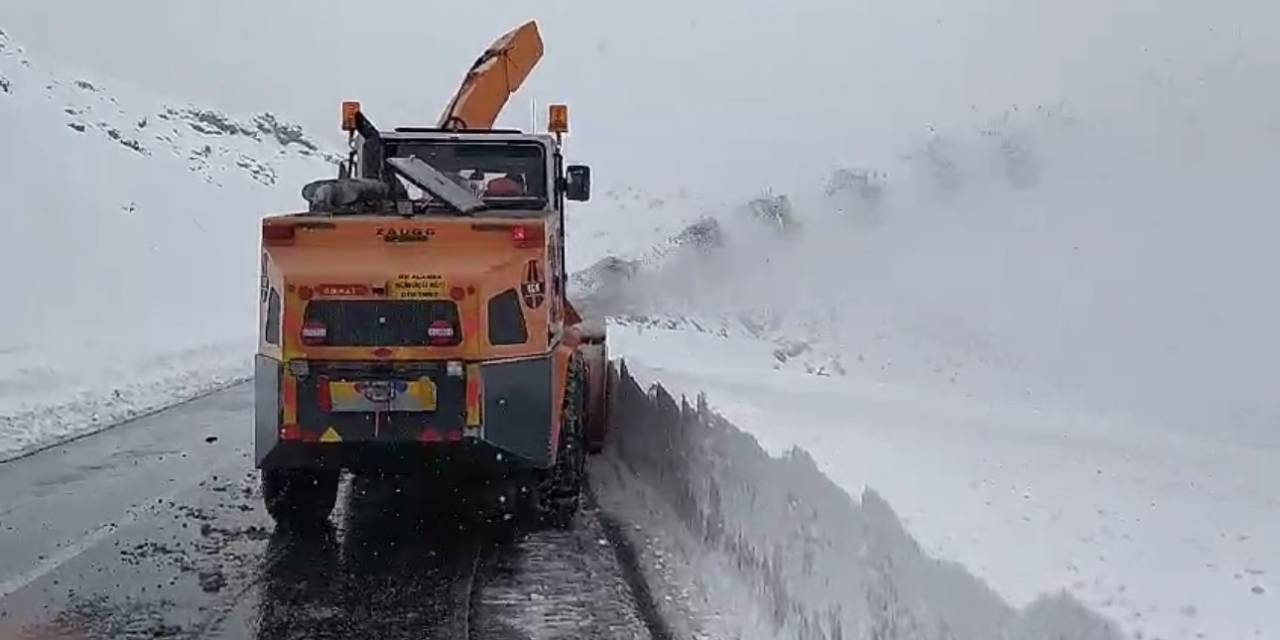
{"points": [[820, 564]]}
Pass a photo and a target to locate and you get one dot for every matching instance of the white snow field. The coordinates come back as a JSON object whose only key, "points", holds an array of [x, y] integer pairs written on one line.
{"points": [[129, 244], [1044, 341], [1169, 535], [737, 543], [1050, 360], [1036, 342]]}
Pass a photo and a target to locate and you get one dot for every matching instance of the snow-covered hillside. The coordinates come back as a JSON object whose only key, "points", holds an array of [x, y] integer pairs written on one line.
{"points": [[130, 244], [1110, 259], [1042, 341], [739, 542], [1168, 534]]}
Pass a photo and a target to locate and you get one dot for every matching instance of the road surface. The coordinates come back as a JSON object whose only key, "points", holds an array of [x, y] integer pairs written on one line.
{"points": [[155, 529]]}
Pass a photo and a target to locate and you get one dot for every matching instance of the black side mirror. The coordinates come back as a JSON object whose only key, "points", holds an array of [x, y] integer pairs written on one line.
{"points": [[578, 186]]}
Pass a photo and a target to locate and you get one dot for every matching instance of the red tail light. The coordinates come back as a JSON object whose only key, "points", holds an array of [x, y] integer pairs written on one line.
{"points": [[314, 333], [290, 432], [323, 397], [441, 333], [527, 236]]}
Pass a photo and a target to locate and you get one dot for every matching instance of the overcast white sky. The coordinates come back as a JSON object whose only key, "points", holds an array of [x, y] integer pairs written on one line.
{"points": [[742, 92]]}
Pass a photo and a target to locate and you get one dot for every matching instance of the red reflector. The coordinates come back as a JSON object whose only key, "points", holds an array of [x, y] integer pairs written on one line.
{"points": [[342, 290], [290, 432], [323, 397], [525, 236], [382, 352], [314, 333], [440, 333], [430, 435], [457, 293]]}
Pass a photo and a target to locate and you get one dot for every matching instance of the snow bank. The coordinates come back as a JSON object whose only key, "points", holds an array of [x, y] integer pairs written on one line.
{"points": [[1171, 535], [130, 244], [779, 551]]}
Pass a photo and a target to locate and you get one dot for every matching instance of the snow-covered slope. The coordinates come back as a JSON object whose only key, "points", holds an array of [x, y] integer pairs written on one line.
{"points": [[1042, 340], [129, 246], [743, 544], [1170, 535], [1108, 259]]}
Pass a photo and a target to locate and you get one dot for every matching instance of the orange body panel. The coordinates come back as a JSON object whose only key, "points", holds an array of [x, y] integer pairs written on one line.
{"points": [[334, 258]]}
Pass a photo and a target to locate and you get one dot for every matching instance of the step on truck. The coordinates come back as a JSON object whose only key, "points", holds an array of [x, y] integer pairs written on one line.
{"points": [[414, 321]]}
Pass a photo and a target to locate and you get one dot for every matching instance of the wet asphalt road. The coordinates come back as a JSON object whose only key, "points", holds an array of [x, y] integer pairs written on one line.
{"points": [[155, 529]]}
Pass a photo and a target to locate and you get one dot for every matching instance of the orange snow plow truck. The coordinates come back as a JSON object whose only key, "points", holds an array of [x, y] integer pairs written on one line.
{"points": [[414, 320]]}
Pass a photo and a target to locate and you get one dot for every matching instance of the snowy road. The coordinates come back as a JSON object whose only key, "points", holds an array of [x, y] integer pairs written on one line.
{"points": [[155, 529]]}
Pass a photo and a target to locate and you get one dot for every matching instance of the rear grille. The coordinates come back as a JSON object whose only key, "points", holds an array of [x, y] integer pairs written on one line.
{"points": [[380, 323]]}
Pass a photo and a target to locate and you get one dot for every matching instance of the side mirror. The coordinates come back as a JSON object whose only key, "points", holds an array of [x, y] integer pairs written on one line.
{"points": [[578, 187]]}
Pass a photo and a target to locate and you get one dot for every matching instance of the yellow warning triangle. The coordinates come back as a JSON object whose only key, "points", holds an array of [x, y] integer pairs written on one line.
{"points": [[330, 435]]}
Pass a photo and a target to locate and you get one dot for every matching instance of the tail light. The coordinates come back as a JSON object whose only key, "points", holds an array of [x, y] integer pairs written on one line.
{"points": [[474, 396], [441, 333], [527, 236], [324, 397], [314, 333]]}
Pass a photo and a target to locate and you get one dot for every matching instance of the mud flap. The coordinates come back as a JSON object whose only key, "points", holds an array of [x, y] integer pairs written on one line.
{"points": [[517, 408]]}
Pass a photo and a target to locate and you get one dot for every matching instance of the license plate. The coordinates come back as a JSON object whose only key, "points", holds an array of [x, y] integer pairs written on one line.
{"points": [[367, 396]]}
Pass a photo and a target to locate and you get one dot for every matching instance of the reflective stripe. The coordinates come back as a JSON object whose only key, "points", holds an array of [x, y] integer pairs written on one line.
{"points": [[473, 395], [290, 400]]}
